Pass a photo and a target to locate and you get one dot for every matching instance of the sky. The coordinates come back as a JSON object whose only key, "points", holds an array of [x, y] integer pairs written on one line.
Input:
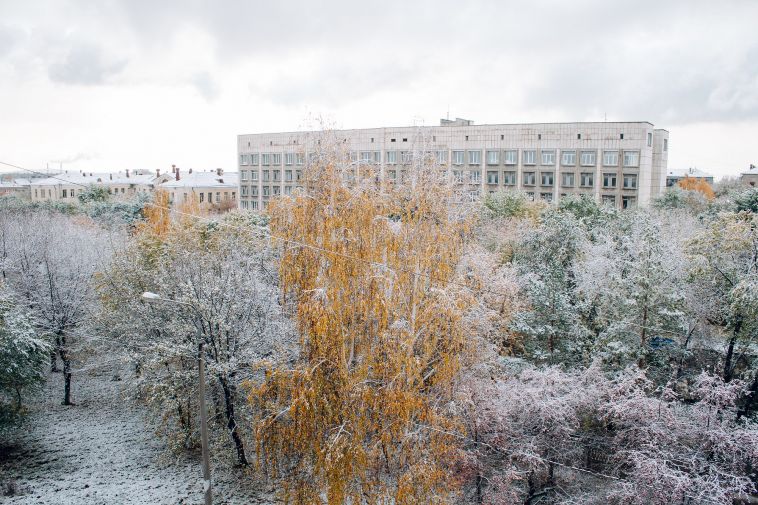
{"points": [[108, 85]]}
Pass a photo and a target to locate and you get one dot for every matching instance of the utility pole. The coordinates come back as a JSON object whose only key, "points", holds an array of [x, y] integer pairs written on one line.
{"points": [[207, 486]]}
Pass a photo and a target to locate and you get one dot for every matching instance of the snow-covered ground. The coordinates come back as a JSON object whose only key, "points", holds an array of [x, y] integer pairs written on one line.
{"points": [[103, 451]]}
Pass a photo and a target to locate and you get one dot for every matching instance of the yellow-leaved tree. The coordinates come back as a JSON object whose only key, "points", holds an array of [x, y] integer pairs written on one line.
{"points": [[695, 184], [366, 414]]}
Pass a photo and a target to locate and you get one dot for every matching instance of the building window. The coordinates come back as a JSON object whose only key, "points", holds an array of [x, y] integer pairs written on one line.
{"points": [[392, 174], [546, 178], [578, 136], [265, 159], [609, 180], [441, 157], [289, 158], [266, 176], [567, 180], [610, 158], [621, 136], [568, 158], [276, 159], [509, 178], [492, 157], [588, 158], [300, 158], [243, 175], [406, 157], [665, 144], [254, 175], [628, 202], [277, 175], [202, 195], [492, 177], [511, 157], [548, 197], [539, 136], [298, 175], [243, 192], [609, 200], [630, 181], [266, 191], [474, 176], [474, 157], [529, 157], [529, 179], [548, 157], [457, 157], [587, 179], [243, 159], [631, 158], [254, 159], [288, 175], [649, 141], [391, 157], [276, 190], [254, 205], [287, 190]]}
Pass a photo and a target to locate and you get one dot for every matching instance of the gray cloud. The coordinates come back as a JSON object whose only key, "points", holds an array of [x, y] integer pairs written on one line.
{"points": [[85, 64], [204, 83]]}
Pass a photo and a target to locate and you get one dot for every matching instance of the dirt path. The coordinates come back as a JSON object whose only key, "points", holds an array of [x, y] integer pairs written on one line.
{"points": [[101, 451]]}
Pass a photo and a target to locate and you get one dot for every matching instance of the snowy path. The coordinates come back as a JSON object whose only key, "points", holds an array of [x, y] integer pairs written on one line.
{"points": [[101, 451]]}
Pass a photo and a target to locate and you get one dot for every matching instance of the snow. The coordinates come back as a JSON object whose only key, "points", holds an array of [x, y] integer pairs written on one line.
{"points": [[103, 451]]}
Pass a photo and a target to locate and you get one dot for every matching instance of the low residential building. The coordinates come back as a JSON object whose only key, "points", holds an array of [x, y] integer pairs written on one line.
{"points": [[675, 175], [750, 176], [214, 190], [66, 187], [15, 186], [623, 164]]}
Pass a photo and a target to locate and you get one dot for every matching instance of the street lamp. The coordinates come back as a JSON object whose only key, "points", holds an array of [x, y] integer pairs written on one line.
{"points": [[207, 487]]}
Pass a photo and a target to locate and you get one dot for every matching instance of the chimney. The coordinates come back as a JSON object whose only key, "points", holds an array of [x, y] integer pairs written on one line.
{"points": [[157, 172], [111, 176], [176, 171], [190, 171], [127, 173], [90, 174], [173, 169], [219, 171]]}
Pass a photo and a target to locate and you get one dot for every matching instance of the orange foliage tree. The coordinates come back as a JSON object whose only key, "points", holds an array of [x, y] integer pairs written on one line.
{"points": [[694, 184], [366, 414]]}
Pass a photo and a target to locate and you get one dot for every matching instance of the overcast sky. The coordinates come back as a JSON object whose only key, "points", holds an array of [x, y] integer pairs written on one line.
{"points": [[108, 85]]}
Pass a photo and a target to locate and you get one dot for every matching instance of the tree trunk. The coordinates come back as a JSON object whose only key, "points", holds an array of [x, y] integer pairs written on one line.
{"points": [[66, 377], [750, 401], [728, 367], [231, 422]]}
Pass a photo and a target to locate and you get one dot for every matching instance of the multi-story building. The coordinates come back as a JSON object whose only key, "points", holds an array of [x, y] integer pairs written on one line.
{"points": [[622, 164], [15, 186], [675, 175]]}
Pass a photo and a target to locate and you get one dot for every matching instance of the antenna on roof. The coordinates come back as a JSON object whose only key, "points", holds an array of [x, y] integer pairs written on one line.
{"points": [[448, 112]]}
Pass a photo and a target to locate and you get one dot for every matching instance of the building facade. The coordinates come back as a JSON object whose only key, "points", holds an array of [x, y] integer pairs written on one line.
{"points": [[749, 177], [213, 190], [66, 187], [623, 164]]}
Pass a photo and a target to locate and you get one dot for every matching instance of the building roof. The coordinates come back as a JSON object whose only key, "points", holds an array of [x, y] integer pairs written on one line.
{"points": [[197, 179], [15, 183], [753, 170], [688, 172], [86, 178]]}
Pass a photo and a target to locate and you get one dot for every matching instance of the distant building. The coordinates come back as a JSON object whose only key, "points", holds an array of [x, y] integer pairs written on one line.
{"points": [[66, 187], [623, 164], [675, 175], [750, 176], [213, 190], [15, 186]]}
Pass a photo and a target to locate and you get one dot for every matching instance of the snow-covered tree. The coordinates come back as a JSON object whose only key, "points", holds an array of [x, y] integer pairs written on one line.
{"points": [[220, 291], [51, 262], [24, 357]]}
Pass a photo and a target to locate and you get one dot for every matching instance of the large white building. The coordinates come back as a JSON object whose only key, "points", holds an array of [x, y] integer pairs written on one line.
{"points": [[619, 163], [66, 187], [212, 190]]}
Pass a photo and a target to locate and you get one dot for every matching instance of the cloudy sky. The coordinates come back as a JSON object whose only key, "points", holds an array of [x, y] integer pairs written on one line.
{"points": [[107, 84]]}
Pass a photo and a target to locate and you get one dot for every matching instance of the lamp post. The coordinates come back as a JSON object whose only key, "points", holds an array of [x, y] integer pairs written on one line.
{"points": [[207, 486]]}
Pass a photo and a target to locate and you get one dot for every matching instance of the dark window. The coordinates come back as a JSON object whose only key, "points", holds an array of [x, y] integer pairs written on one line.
{"points": [[621, 136], [392, 140], [539, 136], [405, 140], [579, 136]]}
